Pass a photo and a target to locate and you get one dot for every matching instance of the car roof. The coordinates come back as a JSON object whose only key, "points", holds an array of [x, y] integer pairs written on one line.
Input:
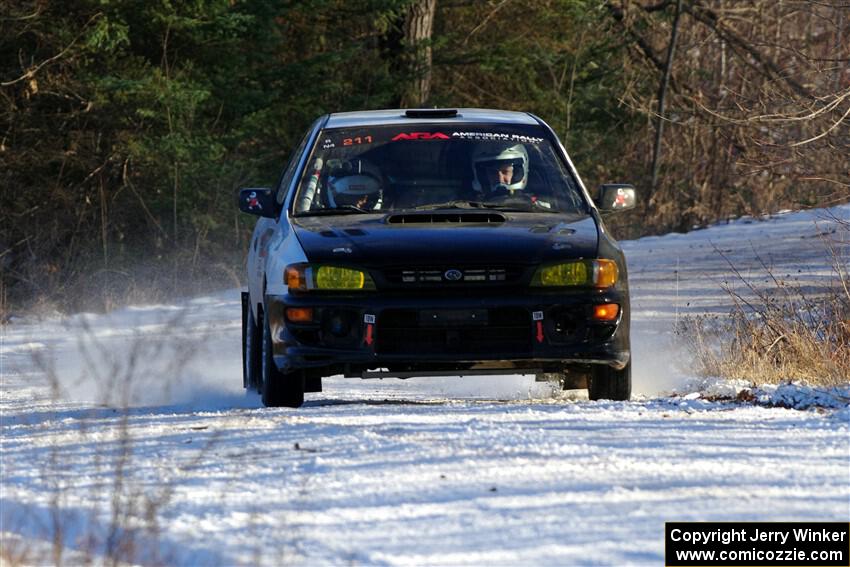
{"points": [[428, 116]]}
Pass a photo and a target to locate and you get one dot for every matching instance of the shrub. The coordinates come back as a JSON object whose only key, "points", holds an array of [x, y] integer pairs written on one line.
{"points": [[782, 331]]}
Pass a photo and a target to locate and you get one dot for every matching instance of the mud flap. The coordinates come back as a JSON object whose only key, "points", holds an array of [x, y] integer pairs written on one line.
{"points": [[312, 382], [246, 299]]}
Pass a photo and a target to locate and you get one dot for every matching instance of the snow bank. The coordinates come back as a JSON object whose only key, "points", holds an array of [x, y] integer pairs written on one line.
{"points": [[793, 394]]}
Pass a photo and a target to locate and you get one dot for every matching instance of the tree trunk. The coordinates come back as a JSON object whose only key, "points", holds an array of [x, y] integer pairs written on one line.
{"points": [[418, 25], [662, 94]]}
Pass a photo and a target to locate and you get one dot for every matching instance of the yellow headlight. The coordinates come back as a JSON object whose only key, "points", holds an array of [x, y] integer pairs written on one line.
{"points": [[334, 277], [573, 273], [587, 273]]}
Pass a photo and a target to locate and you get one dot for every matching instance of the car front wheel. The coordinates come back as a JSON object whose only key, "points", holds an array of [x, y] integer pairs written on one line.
{"points": [[278, 388], [606, 383]]}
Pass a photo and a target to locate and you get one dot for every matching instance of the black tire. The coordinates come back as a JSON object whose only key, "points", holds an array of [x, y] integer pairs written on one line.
{"points": [[606, 383], [277, 388], [251, 349]]}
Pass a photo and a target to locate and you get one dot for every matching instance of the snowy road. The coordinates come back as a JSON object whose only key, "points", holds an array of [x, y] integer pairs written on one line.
{"points": [[428, 471]]}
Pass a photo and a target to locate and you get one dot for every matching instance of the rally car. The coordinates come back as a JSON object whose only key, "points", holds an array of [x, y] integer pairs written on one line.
{"points": [[424, 242]]}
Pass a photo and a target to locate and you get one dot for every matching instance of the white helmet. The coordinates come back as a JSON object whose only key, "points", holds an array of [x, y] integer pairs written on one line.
{"points": [[489, 158], [357, 184]]}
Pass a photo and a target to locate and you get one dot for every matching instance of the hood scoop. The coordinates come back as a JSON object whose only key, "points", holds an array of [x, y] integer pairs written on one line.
{"points": [[446, 217]]}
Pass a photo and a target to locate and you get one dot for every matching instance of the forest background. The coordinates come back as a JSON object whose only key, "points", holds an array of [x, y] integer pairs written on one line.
{"points": [[127, 126]]}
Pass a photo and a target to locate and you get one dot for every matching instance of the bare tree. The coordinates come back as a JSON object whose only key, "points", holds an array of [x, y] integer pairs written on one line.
{"points": [[754, 106], [662, 95]]}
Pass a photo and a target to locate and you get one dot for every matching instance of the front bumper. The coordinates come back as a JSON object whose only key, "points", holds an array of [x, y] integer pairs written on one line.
{"points": [[417, 332]]}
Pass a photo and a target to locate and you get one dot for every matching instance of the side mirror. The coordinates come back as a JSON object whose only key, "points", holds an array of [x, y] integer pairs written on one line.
{"points": [[257, 201], [615, 197]]}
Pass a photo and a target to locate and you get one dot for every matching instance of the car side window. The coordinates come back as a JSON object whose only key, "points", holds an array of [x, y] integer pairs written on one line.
{"points": [[291, 167]]}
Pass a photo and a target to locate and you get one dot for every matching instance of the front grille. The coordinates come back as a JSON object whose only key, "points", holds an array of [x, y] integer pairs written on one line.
{"points": [[507, 330], [432, 275]]}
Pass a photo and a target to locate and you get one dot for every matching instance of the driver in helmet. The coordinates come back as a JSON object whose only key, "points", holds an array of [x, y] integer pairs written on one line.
{"points": [[501, 170], [358, 184]]}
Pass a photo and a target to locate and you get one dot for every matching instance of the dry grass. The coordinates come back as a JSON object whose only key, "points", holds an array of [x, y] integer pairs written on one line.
{"points": [[782, 331], [113, 516]]}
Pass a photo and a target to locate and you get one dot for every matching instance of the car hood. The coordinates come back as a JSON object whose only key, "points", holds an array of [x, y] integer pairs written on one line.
{"points": [[370, 240]]}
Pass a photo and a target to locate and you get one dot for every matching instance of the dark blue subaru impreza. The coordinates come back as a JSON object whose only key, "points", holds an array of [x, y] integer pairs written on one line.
{"points": [[402, 243]]}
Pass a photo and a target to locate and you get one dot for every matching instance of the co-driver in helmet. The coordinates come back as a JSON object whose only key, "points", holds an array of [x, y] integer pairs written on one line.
{"points": [[357, 184]]}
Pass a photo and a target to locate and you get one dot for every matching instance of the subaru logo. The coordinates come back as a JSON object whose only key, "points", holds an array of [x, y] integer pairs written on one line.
{"points": [[453, 275]]}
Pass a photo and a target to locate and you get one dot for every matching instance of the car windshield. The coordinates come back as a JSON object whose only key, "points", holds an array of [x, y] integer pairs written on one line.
{"points": [[402, 167]]}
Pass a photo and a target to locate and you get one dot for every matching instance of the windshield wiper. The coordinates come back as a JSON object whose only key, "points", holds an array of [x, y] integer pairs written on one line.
{"points": [[341, 210], [520, 208], [508, 207], [456, 204]]}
